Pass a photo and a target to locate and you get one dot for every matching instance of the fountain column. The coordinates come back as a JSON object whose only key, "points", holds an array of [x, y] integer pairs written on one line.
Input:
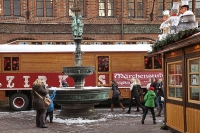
{"points": [[79, 101]]}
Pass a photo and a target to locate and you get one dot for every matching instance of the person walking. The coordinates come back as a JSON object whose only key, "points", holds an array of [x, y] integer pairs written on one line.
{"points": [[115, 96], [134, 95], [149, 99], [159, 95], [38, 103], [50, 108], [139, 94]]}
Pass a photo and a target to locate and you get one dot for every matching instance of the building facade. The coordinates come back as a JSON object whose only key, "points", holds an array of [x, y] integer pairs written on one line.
{"points": [[103, 19]]}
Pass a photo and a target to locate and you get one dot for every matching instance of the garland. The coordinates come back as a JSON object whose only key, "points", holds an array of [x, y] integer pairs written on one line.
{"points": [[171, 38]]}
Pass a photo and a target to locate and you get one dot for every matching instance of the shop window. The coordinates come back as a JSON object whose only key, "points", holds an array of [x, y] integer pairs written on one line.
{"points": [[174, 80], [11, 63], [103, 63], [193, 82], [153, 62]]}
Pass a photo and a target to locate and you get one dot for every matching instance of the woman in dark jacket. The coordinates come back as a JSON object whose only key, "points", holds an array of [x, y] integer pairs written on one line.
{"points": [[115, 96], [38, 103], [134, 88]]}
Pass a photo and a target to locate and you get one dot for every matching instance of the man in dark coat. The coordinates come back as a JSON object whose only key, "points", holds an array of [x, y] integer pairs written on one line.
{"points": [[39, 93]]}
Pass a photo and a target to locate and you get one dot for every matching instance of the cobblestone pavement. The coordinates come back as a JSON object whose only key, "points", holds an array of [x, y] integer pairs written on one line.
{"points": [[115, 122]]}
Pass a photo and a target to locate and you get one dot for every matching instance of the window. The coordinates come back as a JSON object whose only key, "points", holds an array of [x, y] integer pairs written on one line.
{"points": [[11, 63], [44, 8], [136, 8], [106, 8], [169, 4], [140, 8], [174, 80], [194, 80], [198, 8], [131, 8], [161, 8], [103, 63], [80, 5], [195, 9], [190, 4], [153, 62], [12, 8]]}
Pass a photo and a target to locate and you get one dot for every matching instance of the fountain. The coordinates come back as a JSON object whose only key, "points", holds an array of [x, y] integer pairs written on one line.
{"points": [[79, 101]]}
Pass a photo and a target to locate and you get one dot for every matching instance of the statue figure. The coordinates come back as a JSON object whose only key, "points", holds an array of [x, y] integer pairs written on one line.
{"points": [[187, 17], [174, 19], [77, 26], [80, 25], [74, 26], [166, 27]]}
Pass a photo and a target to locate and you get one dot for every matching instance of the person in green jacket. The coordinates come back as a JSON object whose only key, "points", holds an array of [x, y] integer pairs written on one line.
{"points": [[149, 99]]}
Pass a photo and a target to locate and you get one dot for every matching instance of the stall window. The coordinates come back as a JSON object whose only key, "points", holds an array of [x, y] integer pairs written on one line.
{"points": [[174, 80], [103, 63], [11, 63], [193, 82], [153, 62]]}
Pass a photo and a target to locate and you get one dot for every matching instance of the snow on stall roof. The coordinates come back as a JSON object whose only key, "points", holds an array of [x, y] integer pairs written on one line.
{"points": [[71, 48]]}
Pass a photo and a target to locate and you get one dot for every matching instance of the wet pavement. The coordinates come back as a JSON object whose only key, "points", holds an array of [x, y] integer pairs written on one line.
{"points": [[115, 122]]}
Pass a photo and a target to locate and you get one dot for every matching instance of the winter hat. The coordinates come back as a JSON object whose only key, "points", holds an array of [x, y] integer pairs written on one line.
{"points": [[151, 88]]}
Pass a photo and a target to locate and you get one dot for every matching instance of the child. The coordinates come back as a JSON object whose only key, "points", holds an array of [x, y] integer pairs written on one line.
{"points": [[50, 108], [149, 99], [64, 83]]}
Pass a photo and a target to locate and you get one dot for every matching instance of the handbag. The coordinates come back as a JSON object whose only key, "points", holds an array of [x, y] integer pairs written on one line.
{"points": [[120, 95], [47, 101]]}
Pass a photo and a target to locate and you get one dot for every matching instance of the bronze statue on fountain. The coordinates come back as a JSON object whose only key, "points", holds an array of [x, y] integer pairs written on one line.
{"points": [[79, 101]]}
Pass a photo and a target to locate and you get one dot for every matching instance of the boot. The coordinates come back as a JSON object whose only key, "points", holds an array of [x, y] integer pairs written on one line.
{"points": [[137, 110], [111, 109], [123, 108], [159, 111], [51, 118], [154, 122], [142, 121]]}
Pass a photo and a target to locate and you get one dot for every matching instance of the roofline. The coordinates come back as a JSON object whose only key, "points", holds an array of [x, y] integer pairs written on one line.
{"points": [[71, 48]]}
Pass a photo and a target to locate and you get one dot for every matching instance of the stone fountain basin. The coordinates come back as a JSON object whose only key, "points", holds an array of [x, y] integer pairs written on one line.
{"points": [[70, 95]]}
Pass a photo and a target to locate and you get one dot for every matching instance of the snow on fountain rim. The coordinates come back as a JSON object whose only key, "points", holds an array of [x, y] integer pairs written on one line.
{"points": [[73, 88]]}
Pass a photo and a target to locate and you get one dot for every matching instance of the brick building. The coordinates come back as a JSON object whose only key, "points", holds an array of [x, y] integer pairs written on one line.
{"points": [[103, 19]]}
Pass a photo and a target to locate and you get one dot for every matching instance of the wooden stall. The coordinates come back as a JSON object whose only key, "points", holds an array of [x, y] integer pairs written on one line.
{"points": [[182, 84]]}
